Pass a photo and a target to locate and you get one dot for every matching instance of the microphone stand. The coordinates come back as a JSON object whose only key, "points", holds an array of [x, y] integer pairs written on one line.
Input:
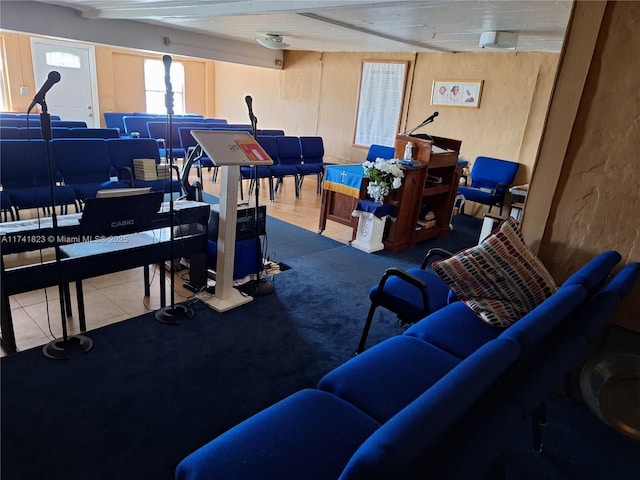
{"points": [[262, 286], [426, 122], [171, 313], [55, 349]]}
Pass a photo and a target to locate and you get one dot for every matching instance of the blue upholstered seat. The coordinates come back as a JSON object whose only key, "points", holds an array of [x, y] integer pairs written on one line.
{"points": [[137, 124], [301, 437], [256, 172], [124, 150], [403, 365], [379, 151], [85, 165], [397, 448], [36, 132], [159, 131], [6, 207], [24, 175], [287, 162], [188, 143], [490, 180], [94, 132], [114, 120], [312, 149], [410, 294], [7, 132]]}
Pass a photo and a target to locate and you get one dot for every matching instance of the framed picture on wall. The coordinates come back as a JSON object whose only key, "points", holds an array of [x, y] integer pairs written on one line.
{"points": [[457, 93]]}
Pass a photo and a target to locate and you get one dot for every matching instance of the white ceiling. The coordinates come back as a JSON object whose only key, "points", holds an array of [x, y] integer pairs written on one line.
{"points": [[350, 25]]}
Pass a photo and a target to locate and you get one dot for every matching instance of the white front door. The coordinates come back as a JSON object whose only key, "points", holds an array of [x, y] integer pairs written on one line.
{"points": [[74, 97]]}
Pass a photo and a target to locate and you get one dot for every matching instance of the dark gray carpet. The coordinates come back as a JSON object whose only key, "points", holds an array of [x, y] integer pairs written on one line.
{"points": [[148, 393]]}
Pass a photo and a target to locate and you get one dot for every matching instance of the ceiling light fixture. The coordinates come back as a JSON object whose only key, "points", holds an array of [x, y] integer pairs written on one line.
{"points": [[500, 40], [272, 41]]}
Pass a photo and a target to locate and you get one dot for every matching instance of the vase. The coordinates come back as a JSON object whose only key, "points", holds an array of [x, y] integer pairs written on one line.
{"points": [[377, 191]]}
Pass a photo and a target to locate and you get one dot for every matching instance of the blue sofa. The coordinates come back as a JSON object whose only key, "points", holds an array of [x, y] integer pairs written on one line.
{"points": [[440, 401]]}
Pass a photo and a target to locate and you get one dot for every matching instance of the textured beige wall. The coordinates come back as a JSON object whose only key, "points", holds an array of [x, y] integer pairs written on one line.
{"points": [[316, 94], [595, 202]]}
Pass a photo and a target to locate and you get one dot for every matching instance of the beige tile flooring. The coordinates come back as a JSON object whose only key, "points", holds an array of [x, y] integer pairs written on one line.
{"points": [[119, 296]]}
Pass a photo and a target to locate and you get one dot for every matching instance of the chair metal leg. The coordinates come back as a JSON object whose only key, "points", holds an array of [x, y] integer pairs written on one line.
{"points": [[365, 330], [538, 418], [272, 197]]}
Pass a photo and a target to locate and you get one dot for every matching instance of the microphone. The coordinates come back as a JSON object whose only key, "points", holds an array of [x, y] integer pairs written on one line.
{"points": [[166, 59], [249, 101], [430, 118], [426, 121], [52, 79]]}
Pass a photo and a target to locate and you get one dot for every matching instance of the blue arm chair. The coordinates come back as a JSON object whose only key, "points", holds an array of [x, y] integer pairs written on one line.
{"points": [[490, 179], [411, 295]]}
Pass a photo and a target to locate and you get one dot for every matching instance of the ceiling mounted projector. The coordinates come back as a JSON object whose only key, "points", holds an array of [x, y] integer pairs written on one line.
{"points": [[275, 42], [501, 40]]}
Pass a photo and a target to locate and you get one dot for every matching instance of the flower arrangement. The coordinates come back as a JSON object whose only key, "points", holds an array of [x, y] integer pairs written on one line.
{"points": [[383, 176]]}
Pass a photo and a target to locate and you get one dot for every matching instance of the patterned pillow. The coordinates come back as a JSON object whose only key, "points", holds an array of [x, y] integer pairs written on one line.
{"points": [[501, 279]]}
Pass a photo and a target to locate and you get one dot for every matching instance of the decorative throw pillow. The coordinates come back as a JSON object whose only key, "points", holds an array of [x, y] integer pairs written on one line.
{"points": [[501, 279]]}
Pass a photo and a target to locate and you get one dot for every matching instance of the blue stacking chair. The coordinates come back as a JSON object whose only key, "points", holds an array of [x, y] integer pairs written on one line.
{"points": [[94, 132], [114, 120], [36, 132], [85, 165], [24, 175], [256, 172], [312, 149], [287, 162], [379, 151], [124, 150], [490, 179], [10, 132], [189, 144], [6, 207]]}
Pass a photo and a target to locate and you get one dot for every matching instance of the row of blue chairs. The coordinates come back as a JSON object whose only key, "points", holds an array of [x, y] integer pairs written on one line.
{"points": [[80, 167], [35, 122], [58, 132], [115, 119], [30, 116]]}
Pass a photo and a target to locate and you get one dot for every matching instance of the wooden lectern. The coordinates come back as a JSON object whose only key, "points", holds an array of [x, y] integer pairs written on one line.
{"points": [[430, 187]]}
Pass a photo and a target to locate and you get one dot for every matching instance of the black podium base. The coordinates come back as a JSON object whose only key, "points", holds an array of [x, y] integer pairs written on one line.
{"points": [[171, 314], [56, 349]]}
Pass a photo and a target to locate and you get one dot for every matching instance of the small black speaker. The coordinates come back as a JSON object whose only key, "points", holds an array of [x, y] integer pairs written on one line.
{"points": [[245, 224]]}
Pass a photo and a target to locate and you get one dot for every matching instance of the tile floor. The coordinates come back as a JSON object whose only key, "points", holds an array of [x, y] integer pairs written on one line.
{"points": [[119, 296]]}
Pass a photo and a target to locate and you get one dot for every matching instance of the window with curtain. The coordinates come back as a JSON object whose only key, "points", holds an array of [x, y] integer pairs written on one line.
{"points": [[155, 88]]}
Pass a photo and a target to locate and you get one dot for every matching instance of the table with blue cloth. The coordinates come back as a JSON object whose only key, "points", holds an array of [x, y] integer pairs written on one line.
{"points": [[343, 187]]}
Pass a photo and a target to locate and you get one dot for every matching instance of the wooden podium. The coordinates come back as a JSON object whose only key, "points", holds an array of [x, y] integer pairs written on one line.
{"points": [[432, 186]]}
